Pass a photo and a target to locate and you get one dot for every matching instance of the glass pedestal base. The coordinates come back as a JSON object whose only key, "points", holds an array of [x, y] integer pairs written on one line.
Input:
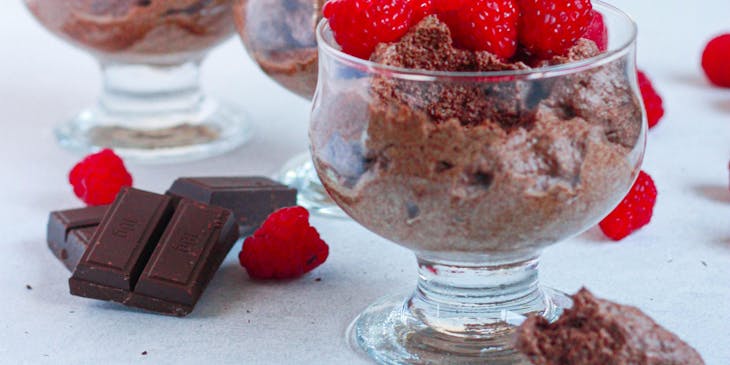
{"points": [[389, 333], [212, 129], [155, 114], [465, 310], [299, 173]]}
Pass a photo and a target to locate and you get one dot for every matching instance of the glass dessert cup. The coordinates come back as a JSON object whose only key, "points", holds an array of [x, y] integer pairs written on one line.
{"points": [[279, 35], [475, 188], [151, 108]]}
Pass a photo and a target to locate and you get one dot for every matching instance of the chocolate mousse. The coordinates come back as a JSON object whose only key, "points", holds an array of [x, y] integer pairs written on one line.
{"points": [[447, 165], [599, 332], [280, 36], [139, 31]]}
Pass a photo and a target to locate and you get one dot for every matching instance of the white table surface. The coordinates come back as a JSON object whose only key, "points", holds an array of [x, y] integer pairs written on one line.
{"points": [[677, 269]]}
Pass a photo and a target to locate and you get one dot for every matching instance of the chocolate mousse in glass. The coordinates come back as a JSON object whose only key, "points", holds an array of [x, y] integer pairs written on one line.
{"points": [[280, 37], [151, 108], [476, 165]]}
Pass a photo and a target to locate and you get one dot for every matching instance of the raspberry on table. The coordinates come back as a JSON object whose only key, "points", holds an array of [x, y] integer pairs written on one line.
{"points": [[359, 25], [550, 27], [484, 25], [716, 60], [597, 31], [634, 212], [286, 246], [97, 179], [652, 100]]}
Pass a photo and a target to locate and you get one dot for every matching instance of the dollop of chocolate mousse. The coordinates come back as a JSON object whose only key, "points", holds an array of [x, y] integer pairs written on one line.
{"points": [[599, 332], [429, 46], [280, 36], [512, 164], [137, 30]]}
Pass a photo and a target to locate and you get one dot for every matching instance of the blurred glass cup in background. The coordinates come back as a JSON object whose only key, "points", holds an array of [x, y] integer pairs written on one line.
{"points": [[151, 108]]}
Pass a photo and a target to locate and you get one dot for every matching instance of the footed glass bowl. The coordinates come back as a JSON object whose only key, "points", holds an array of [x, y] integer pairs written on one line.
{"points": [[476, 173], [280, 37], [151, 108]]}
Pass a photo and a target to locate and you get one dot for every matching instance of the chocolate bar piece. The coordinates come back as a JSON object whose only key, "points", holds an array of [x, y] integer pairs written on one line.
{"points": [[251, 199], [125, 239], [77, 243], [151, 253], [69, 231]]}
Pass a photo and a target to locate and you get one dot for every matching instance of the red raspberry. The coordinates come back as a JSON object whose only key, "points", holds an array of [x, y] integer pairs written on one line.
{"points": [[715, 60], [98, 177], [550, 27], [485, 25], [634, 212], [421, 9], [652, 100], [359, 25], [285, 246], [440, 6], [597, 31]]}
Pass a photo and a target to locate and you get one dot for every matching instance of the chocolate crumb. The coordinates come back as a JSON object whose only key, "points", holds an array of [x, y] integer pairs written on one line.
{"points": [[27, 286], [704, 263], [412, 210], [144, 353], [318, 279], [600, 332]]}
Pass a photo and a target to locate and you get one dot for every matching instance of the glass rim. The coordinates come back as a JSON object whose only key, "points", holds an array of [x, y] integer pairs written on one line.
{"points": [[533, 73]]}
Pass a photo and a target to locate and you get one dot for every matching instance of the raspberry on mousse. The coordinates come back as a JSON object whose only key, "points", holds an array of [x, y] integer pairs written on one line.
{"points": [[551, 27], [598, 32], [359, 25], [540, 29], [485, 25]]}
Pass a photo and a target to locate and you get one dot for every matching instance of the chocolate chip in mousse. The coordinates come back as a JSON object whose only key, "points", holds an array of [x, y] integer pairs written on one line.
{"points": [[347, 158]]}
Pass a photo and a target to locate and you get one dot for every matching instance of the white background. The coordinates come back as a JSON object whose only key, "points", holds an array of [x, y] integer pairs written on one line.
{"points": [[677, 269]]}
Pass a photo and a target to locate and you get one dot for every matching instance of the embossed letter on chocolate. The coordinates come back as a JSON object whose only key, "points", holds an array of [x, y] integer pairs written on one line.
{"points": [[152, 254]]}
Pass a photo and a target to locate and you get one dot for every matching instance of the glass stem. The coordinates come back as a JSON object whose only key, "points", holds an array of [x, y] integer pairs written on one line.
{"points": [[143, 93], [476, 299]]}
